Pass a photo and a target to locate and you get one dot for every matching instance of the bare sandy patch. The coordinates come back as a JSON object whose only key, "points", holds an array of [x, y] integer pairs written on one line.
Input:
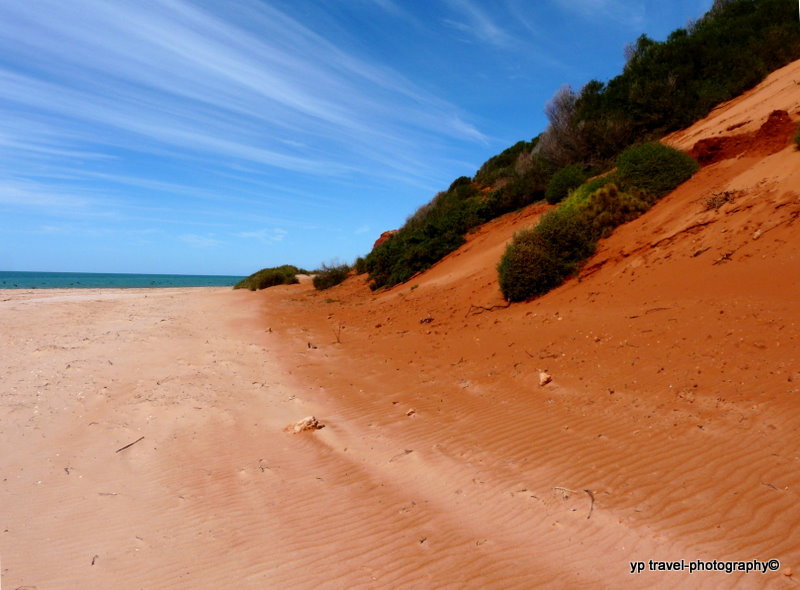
{"points": [[188, 377]]}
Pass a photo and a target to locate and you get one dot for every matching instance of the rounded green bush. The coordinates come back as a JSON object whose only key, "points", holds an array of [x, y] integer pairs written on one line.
{"points": [[568, 178], [539, 259], [654, 168], [797, 137], [528, 267], [568, 235]]}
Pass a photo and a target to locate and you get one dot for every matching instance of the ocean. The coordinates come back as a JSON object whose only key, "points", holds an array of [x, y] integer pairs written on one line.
{"points": [[90, 280]]}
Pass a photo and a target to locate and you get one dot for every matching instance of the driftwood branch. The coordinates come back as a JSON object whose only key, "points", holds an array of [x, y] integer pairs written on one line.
{"points": [[141, 438]]}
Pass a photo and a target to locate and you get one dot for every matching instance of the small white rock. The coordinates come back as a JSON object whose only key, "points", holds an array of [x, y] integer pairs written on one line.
{"points": [[544, 378]]}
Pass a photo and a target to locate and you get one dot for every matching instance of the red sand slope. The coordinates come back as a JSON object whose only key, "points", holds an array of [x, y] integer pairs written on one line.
{"points": [[670, 430]]}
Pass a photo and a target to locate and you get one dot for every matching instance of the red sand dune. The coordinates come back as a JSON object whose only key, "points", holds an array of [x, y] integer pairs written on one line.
{"points": [[672, 416], [670, 429]]}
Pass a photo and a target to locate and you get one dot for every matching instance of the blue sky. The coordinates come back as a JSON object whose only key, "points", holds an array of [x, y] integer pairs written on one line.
{"points": [[223, 136]]}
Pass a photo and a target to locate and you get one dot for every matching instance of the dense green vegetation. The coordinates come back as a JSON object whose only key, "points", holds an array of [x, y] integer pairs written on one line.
{"points": [[330, 275], [667, 86], [439, 227], [432, 232], [567, 179], [541, 258], [653, 168], [664, 86], [797, 137], [504, 164], [269, 277]]}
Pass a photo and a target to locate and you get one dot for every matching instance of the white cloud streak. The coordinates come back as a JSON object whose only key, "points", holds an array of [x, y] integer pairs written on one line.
{"points": [[628, 12], [267, 235], [242, 84], [476, 21]]}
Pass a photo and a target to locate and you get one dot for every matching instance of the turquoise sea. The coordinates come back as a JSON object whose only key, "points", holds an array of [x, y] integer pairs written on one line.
{"points": [[89, 280]]}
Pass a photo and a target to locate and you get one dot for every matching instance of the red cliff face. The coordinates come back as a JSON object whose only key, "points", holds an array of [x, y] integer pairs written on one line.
{"points": [[384, 236]]}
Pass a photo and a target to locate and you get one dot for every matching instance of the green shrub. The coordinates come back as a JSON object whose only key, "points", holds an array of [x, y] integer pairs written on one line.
{"points": [[528, 267], [269, 277], [568, 235], [435, 230], [580, 195], [608, 207], [797, 137], [360, 265], [329, 276], [513, 195], [539, 259], [568, 178], [654, 168]]}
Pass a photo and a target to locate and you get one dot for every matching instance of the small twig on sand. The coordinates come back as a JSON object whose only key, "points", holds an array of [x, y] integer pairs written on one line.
{"points": [[141, 438], [769, 485], [399, 455], [481, 308], [338, 333], [726, 257], [591, 507], [95, 559]]}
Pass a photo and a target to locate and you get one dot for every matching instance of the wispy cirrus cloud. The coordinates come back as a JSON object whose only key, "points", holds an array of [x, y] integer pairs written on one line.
{"points": [[29, 193], [195, 82], [474, 19], [629, 12], [389, 6], [267, 235]]}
